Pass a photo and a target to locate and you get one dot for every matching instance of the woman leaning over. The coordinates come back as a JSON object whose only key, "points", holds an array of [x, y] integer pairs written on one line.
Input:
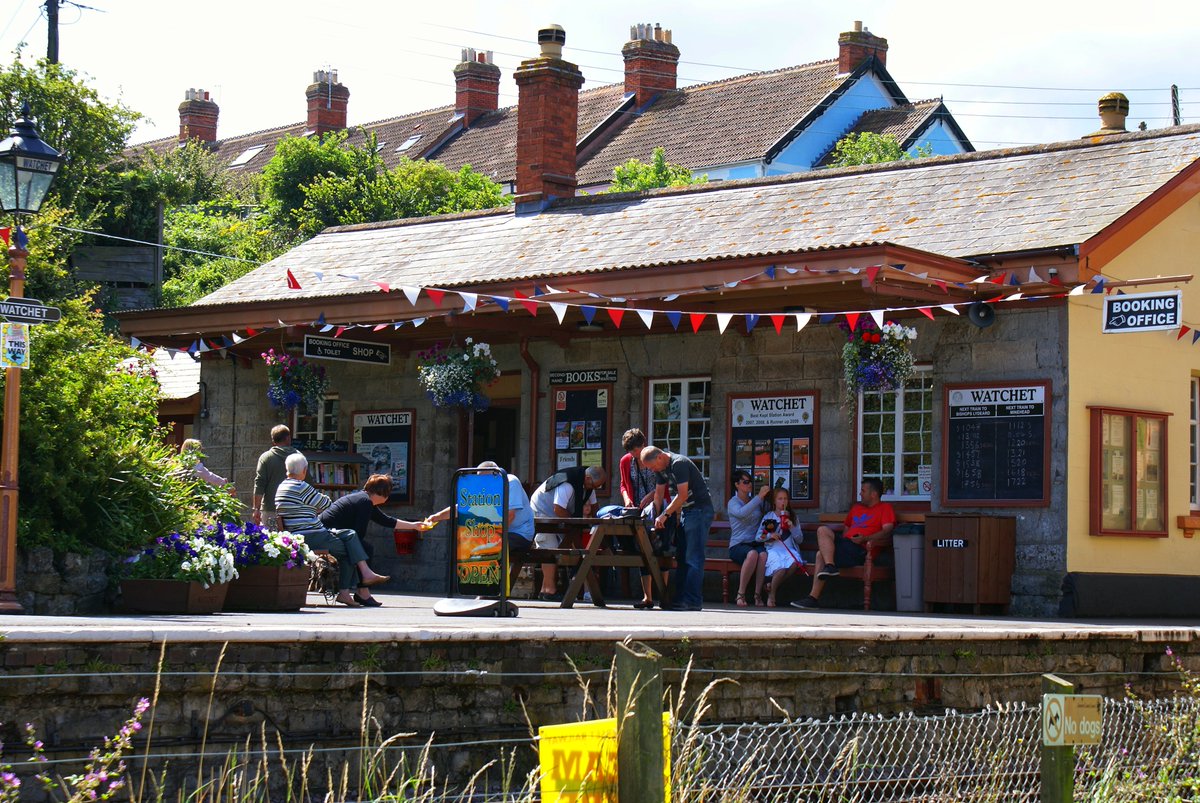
{"points": [[745, 511]]}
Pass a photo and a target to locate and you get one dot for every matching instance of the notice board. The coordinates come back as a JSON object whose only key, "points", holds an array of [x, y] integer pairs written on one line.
{"points": [[385, 438], [582, 426], [995, 447], [774, 437]]}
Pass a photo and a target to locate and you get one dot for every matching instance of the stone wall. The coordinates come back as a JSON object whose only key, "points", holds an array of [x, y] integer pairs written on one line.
{"points": [[1023, 344], [63, 585]]}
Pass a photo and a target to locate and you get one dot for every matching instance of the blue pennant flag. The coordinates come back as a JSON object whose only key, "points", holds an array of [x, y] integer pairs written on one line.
{"points": [[1013, 280], [588, 312], [675, 318], [770, 271], [827, 318], [1195, 336], [537, 291], [21, 239], [751, 322], [1099, 288], [1120, 292], [897, 265], [503, 302], [320, 321], [226, 342]]}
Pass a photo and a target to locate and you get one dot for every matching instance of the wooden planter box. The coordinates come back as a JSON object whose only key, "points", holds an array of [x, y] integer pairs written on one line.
{"points": [[171, 596], [268, 588]]}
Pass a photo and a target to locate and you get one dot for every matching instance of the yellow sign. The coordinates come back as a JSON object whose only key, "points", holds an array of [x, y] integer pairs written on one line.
{"points": [[14, 345], [579, 761], [1069, 719]]}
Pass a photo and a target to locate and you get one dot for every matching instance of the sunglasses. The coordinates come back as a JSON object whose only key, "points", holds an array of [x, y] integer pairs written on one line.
{"points": [[743, 482]]}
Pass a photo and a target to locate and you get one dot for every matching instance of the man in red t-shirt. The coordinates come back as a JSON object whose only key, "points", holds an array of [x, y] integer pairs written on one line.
{"points": [[869, 525]]}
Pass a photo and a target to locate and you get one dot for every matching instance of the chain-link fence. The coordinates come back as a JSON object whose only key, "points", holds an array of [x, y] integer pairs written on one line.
{"points": [[992, 755]]}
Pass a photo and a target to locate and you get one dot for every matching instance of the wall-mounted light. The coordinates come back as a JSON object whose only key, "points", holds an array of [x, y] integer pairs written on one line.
{"points": [[203, 399]]}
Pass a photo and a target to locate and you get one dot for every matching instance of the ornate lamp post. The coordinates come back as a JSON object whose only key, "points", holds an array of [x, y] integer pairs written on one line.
{"points": [[27, 168]]}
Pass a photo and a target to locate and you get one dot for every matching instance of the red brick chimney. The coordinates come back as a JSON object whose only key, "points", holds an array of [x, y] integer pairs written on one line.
{"points": [[855, 47], [477, 85], [197, 117], [327, 101], [651, 62], [547, 122]]}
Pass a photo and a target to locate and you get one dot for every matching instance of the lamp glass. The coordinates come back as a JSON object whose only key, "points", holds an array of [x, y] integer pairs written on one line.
{"points": [[8, 185]]}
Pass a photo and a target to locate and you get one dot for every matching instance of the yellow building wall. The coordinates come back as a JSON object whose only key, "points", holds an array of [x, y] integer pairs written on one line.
{"points": [[1144, 371]]}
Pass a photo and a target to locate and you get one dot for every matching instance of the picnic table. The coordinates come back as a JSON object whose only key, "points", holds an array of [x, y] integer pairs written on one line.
{"points": [[600, 552]]}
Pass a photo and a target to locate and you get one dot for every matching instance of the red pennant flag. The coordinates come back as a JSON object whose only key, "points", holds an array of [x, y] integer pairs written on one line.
{"points": [[1001, 279], [872, 272], [379, 326], [1183, 330], [291, 280], [616, 315], [251, 332], [4, 232], [529, 306], [926, 311], [697, 318], [339, 331], [942, 285], [778, 321], [852, 319], [436, 295], [384, 286]]}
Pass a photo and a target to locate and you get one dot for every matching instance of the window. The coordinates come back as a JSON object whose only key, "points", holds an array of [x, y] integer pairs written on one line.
{"points": [[1194, 428], [895, 438], [408, 143], [246, 155], [318, 429], [681, 418], [1129, 455]]}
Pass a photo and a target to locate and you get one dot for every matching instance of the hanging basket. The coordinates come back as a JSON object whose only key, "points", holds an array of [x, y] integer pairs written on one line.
{"points": [[455, 376], [877, 358], [294, 382]]}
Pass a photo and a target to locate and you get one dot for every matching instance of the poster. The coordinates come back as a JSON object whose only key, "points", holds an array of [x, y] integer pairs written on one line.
{"points": [[479, 524], [582, 426], [385, 438], [562, 435], [773, 436], [14, 345]]}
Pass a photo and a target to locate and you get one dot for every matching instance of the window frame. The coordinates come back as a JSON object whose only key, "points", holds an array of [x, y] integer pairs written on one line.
{"points": [[1194, 444], [683, 419], [323, 436], [925, 370], [1095, 515]]}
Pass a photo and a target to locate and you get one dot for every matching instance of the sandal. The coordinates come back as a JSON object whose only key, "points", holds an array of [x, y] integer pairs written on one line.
{"points": [[770, 603], [741, 599]]}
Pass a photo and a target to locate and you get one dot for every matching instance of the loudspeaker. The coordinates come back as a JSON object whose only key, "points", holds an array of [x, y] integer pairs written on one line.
{"points": [[981, 314]]}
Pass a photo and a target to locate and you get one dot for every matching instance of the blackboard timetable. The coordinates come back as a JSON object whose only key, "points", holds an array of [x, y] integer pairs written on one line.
{"points": [[995, 444]]}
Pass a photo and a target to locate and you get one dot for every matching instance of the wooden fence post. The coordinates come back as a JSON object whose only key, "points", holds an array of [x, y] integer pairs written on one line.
{"points": [[639, 724], [1058, 763]]}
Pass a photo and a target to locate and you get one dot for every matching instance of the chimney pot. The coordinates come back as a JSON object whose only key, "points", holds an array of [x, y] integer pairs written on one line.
{"points": [[651, 64], [327, 102], [476, 85], [552, 38], [197, 116]]}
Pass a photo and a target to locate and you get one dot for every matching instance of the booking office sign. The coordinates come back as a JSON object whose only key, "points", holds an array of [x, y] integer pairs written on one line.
{"points": [[1143, 312]]}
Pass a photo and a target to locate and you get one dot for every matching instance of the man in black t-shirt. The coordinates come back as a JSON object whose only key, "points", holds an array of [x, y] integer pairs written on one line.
{"points": [[689, 497]]}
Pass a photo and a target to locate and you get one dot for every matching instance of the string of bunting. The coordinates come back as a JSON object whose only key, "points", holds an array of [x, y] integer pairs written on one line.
{"points": [[541, 296]]}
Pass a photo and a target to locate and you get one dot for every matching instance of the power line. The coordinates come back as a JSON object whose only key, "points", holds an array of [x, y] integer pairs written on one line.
{"points": [[154, 245]]}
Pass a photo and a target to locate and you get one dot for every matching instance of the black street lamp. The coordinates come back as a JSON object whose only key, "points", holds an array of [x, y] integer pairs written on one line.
{"points": [[27, 169]]}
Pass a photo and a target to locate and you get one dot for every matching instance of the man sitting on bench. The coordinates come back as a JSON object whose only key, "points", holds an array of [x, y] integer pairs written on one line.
{"points": [[868, 525]]}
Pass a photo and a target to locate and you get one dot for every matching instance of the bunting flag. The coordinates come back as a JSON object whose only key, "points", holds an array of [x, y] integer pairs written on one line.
{"points": [[192, 348], [1183, 330], [588, 312], [397, 324], [436, 295], [802, 319], [560, 310], [1195, 336], [291, 281], [1077, 290], [384, 286], [327, 328], [826, 317], [339, 331], [926, 311], [751, 322], [1001, 279], [320, 321], [647, 316], [351, 276], [411, 293], [950, 308], [1014, 297], [877, 316], [1013, 280], [733, 284], [530, 306], [1099, 288], [873, 272], [898, 265], [852, 319], [769, 272], [696, 318], [470, 300], [1034, 278], [552, 291], [777, 322], [202, 347], [5, 234], [942, 285], [537, 291], [675, 318], [501, 302], [21, 238], [379, 327], [671, 297], [320, 274], [616, 314], [251, 332], [1055, 280], [794, 271], [418, 321], [133, 341], [723, 319]]}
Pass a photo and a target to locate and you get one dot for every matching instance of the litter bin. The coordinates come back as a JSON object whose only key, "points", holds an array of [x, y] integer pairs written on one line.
{"points": [[908, 544], [969, 559]]}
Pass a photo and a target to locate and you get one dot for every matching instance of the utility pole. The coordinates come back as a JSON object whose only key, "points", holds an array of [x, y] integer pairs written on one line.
{"points": [[52, 31]]}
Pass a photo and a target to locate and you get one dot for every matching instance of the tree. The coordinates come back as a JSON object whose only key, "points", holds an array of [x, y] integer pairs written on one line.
{"points": [[634, 176], [868, 147]]}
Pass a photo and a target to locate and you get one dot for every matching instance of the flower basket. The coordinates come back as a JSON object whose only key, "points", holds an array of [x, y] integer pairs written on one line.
{"points": [[455, 376], [294, 382], [268, 588], [141, 595], [406, 541], [877, 358]]}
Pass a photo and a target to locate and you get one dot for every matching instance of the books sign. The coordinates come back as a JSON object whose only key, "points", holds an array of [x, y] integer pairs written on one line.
{"points": [[1143, 312]]}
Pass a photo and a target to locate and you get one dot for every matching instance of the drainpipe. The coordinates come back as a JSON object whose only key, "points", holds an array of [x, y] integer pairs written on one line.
{"points": [[534, 381]]}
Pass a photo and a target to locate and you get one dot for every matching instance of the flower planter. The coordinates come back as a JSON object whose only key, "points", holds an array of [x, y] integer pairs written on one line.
{"points": [[268, 588], [171, 596], [406, 542]]}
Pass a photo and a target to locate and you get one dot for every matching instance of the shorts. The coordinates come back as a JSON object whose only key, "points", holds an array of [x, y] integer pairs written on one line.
{"points": [[847, 553], [738, 552], [547, 540], [518, 543]]}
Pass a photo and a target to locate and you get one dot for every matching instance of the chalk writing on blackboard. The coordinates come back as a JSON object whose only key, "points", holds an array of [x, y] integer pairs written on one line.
{"points": [[996, 443]]}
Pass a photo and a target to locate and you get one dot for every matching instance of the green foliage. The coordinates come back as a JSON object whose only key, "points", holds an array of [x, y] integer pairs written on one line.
{"points": [[868, 147], [634, 176], [310, 184]]}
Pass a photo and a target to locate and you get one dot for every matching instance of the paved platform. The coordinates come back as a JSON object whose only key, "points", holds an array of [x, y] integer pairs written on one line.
{"points": [[411, 618]]}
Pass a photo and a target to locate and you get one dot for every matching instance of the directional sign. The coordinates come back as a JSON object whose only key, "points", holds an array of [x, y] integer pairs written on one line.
{"points": [[1069, 719], [28, 310], [1143, 312]]}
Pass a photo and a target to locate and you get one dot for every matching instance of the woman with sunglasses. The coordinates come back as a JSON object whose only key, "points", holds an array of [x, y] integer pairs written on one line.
{"points": [[745, 510]]}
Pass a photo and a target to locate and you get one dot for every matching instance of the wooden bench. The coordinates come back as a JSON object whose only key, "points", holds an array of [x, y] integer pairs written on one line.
{"points": [[869, 573]]}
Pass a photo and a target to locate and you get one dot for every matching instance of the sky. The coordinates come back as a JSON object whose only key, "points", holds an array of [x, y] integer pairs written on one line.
{"points": [[1012, 74]]}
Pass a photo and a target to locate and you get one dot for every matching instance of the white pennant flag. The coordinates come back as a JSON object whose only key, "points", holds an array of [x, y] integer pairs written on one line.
{"points": [[723, 319], [980, 280], [418, 321], [281, 323], [853, 271], [877, 316], [671, 297], [802, 319], [792, 271], [551, 290], [734, 283], [133, 341], [1076, 291], [924, 275], [647, 316], [397, 324], [203, 346], [1033, 275], [1014, 297], [236, 337], [469, 300], [560, 309], [950, 308], [320, 274], [411, 293], [327, 327]]}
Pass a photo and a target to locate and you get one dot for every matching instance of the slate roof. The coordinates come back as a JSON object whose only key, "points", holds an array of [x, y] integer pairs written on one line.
{"points": [[958, 206]]}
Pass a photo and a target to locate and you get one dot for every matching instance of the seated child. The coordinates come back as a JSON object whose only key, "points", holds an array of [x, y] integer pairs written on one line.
{"points": [[777, 531]]}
